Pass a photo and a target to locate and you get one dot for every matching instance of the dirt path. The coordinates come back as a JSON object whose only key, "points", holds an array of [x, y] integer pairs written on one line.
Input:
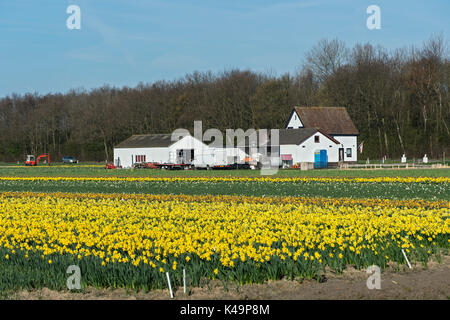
{"points": [[417, 283]]}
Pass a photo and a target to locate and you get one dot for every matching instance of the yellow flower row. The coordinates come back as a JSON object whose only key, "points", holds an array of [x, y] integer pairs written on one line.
{"points": [[411, 203], [238, 179], [149, 229]]}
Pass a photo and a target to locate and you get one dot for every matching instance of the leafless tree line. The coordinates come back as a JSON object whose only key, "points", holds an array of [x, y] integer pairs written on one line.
{"points": [[399, 101]]}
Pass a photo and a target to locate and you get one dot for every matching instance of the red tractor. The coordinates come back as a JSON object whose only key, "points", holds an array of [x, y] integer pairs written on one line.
{"points": [[32, 161]]}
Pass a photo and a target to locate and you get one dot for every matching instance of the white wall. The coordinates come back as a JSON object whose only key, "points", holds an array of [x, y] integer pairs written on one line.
{"points": [[188, 142], [218, 156], [289, 149], [236, 152], [305, 151], [127, 155], [161, 155], [210, 157], [294, 122], [202, 153], [348, 142]]}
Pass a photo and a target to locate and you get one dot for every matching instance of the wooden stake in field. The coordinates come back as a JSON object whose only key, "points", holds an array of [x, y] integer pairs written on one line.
{"points": [[184, 281], [170, 287], [407, 261]]}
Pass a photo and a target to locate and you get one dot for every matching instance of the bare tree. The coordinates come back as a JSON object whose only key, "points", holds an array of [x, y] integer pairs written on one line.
{"points": [[326, 57]]}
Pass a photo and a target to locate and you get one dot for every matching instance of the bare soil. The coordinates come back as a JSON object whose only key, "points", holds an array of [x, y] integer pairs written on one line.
{"points": [[397, 282]]}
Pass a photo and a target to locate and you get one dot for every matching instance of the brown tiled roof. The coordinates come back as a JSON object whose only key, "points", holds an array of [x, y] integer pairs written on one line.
{"points": [[332, 120]]}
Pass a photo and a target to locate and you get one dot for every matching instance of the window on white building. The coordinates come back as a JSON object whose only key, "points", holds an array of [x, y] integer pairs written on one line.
{"points": [[349, 152], [140, 158]]}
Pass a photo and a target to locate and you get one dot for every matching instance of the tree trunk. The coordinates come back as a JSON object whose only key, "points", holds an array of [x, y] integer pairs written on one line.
{"points": [[399, 136], [105, 144], [385, 137]]}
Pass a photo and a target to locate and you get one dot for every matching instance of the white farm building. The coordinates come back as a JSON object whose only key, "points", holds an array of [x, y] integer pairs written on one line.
{"points": [[160, 148], [311, 133], [301, 145], [333, 121]]}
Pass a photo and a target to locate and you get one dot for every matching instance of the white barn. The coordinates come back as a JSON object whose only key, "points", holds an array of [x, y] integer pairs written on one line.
{"points": [[157, 148], [332, 121], [161, 149]]}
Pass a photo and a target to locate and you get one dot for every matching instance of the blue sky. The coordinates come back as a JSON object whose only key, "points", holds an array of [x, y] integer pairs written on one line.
{"points": [[124, 42]]}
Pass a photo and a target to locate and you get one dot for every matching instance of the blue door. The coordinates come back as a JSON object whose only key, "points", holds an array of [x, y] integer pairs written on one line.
{"points": [[320, 159]]}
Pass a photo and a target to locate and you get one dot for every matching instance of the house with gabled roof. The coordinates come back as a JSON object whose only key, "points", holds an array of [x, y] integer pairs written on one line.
{"points": [[334, 121], [295, 146], [288, 147]]}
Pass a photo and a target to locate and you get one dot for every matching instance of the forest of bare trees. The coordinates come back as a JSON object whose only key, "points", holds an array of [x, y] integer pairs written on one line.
{"points": [[399, 101]]}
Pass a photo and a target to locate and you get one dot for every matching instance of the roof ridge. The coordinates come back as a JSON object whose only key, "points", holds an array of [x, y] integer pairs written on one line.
{"points": [[151, 134], [318, 107], [332, 120]]}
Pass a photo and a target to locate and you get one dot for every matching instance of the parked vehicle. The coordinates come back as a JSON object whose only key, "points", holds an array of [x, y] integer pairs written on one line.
{"points": [[146, 165], [111, 165], [32, 161], [239, 166], [233, 166], [69, 160], [209, 160]]}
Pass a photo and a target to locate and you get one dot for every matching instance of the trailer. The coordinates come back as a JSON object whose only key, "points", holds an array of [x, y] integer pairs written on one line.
{"points": [[213, 159], [233, 166], [145, 165], [165, 166], [173, 166]]}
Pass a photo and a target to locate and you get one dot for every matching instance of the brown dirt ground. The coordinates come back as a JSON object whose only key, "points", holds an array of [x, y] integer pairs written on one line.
{"points": [[432, 282]]}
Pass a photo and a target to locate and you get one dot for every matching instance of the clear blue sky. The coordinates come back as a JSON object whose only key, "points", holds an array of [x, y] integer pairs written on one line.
{"points": [[123, 42]]}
